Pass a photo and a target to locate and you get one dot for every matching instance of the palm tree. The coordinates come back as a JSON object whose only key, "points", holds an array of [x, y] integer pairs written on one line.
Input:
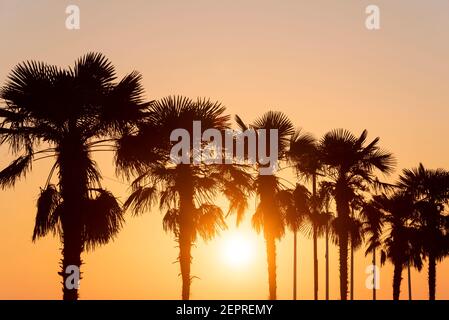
{"points": [[350, 165], [303, 153], [269, 216], [68, 114], [430, 190], [184, 190], [326, 254], [295, 205], [325, 221], [373, 222], [401, 244], [356, 236]]}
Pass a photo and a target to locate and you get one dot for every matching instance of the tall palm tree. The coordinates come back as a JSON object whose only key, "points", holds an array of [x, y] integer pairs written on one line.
{"points": [[304, 155], [296, 206], [324, 222], [269, 216], [401, 244], [356, 236], [373, 222], [185, 191], [430, 190], [350, 165], [67, 114]]}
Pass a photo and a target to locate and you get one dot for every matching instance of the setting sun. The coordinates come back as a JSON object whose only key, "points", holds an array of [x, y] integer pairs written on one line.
{"points": [[238, 249]]}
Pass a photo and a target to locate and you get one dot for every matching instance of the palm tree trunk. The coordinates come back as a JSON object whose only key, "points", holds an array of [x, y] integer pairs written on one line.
{"points": [[343, 211], [73, 181], [186, 225], [315, 244], [409, 281], [71, 258], [352, 272], [327, 262], [352, 262], [185, 259], [374, 274], [343, 255], [432, 276], [294, 263], [271, 260], [397, 278]]}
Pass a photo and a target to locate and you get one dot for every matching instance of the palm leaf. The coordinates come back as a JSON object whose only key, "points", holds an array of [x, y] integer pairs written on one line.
{"points": [[17, 169], [141, 199], [209, 221], [47, 215], [170, 221], [103, 219]]}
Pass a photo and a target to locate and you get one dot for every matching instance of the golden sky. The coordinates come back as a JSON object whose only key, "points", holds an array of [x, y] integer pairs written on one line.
{"points": [[313, 60]]}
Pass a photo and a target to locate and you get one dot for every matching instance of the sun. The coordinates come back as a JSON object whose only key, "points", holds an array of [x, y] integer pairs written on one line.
{"points": [[238, 249]]}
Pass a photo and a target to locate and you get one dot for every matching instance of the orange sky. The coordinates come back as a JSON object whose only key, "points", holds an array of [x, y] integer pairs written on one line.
{"points": [[314, 60]]}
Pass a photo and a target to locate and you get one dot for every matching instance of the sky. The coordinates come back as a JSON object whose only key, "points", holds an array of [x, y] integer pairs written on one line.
{"points": [[314, 60]]}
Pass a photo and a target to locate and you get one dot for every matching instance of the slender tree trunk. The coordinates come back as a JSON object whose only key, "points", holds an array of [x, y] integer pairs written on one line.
{"points": [[374, 274], [343, 255], [352, 272], [343, 211], [71, 260], [432, 276], [352, 262], [315, 263], [271, 260], [315, 243], [185, 228], [397, 278], [185, 259], [409, 281], [73, 183], [327, 262], [294, 264]]}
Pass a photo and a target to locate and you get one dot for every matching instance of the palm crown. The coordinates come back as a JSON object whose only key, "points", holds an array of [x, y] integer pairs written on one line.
{"points": [[67, 114]]}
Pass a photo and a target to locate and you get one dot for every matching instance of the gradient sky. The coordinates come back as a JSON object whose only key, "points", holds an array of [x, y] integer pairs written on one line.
{"points": [[313, 60]]}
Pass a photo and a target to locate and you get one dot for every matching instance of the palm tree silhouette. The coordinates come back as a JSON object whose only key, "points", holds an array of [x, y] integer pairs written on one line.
{"points": [[350, 165], [430, 190], [185, 191], [269, 217], [68, 114], [304, 155], [307, 214], [356, 236], [401, 244], [295, 205], [373, 222], [324, 197]]}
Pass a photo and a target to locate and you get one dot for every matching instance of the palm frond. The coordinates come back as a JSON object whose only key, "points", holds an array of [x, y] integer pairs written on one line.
{"points": [[141, 199], [278, 121], [102, 217], [303, 153], [170, 221], [94, 69], [240, 123], [209, 221], [47, 215], [17, 169]]}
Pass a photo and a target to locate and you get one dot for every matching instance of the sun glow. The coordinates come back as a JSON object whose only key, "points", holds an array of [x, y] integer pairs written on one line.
{"points": [[238, 249]]}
